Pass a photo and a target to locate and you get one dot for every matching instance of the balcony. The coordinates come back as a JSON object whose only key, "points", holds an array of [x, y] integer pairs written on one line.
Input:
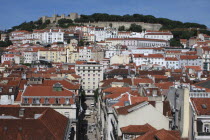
{"points": [[34, 104], [203, 133], [25, 104], [56, 104]]}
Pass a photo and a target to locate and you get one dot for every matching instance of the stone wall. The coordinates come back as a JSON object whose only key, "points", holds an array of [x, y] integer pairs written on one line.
{"points": [[147, 26]]}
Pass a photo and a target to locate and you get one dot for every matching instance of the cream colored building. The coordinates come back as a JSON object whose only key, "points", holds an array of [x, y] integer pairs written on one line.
{"points": [[91, 73], [54, 55], [119, 59], [71, 53]]}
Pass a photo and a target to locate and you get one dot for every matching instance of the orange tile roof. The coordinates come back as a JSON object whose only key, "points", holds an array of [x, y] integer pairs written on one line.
{"points": [[64, 83], [143, 80], [164, 85], [134, 99], [171, 59], [190, 57], [160, 33], [18, 98], [142, 39], [197, 104], [124, 110], [160, 135], [45, 91], [137, 129], [149, 55], [197, 68]]}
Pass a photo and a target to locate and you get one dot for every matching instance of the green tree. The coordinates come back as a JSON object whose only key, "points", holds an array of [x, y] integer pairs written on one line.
{"points": [[175, 43], [81, 43], [87, 43], [82, 95], [96, 94], [121, 28], [135, 28]]}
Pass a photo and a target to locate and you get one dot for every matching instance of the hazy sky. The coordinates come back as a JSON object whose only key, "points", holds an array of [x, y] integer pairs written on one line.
{"points": [[14, 12]]}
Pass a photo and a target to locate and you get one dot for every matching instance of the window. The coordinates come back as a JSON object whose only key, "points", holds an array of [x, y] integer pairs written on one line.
{"points": [[9, 97], [25, 100], [46, 100], [10, 89], [66, 114], [56, 101], [206, 128], [67, 101], [34, 101]]}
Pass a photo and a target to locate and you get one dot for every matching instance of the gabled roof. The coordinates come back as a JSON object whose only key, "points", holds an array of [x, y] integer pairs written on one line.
{"points": [[30, 127], [148, 56], [201, 105], [183, 57], [160, 135], [125, 110], [45, 91], [197, 68], [137, 129]]}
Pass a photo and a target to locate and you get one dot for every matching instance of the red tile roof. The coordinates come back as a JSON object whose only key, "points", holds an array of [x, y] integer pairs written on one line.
{"points": [[190, 57], [148, 56], [64, 83], [160, 33], [137, 129], [171, 59], [164, 85], [197, 104], [160, 135], [45, 126], [143, 80], [141, 39], [124, 110], [197, 68], [45, 91]]}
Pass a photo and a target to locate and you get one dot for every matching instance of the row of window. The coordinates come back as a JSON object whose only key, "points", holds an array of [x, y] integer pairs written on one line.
{"points": [[46, 101]]}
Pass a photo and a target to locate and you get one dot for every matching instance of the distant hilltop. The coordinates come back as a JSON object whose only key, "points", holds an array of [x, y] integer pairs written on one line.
{"points": [[116, 24], [122, 22], [55, 18]]}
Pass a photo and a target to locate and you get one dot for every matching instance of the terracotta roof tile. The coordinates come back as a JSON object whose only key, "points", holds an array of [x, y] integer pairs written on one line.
{"points": [[198, 104], [161, 135], [137, 129], [45, 91]]}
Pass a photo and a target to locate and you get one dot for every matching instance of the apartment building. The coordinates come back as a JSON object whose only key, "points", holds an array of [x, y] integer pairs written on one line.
{"points": [[53, 36], [158, 35], [91, 73], [140, 59], [133, 43], [54, 55]]}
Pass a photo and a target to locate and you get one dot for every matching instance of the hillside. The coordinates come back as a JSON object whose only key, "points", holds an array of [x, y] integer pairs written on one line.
{"points": [[167, 24]]}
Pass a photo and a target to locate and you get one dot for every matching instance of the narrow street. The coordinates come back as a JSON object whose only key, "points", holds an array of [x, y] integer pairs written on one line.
{"points": [[88, 122]]}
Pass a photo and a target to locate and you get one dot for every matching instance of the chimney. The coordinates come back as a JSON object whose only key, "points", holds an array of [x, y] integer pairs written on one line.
{"points": [[21, 112]]}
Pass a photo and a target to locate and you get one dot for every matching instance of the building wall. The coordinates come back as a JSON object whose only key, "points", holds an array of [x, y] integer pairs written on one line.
{"points": [[157, 120], [190, 62], [119, 59], [147, 26], [4, 100], [91, 75]]}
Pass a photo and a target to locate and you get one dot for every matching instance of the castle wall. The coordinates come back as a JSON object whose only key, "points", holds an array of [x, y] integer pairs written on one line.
{"points": [[147, 26]]}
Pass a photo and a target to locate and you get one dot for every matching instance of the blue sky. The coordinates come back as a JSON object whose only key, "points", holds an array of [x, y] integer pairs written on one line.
{"points": [[14, 12]]}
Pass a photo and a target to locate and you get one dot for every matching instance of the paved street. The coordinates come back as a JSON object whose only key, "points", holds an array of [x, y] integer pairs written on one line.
{"points": [[88, 125]]}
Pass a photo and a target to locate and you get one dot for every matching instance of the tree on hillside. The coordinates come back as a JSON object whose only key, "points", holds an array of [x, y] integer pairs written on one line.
{"points": [[96, 94], [175, 43], [121, 28], [135, 28]]}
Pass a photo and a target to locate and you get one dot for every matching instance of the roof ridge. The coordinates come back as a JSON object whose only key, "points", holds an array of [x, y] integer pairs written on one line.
{"points": [[40, 119]]}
